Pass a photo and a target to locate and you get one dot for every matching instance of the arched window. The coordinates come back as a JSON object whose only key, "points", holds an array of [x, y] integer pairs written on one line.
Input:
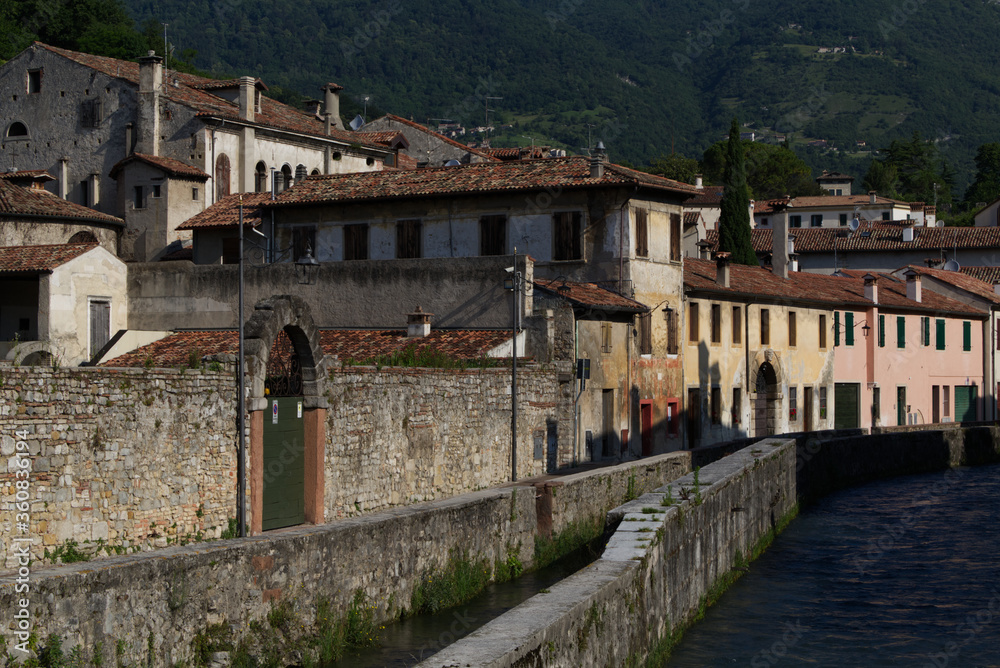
{"points": [[314, 172], [221, 176], [260, 179], [286, 171], [83, 237], [17, 130]]}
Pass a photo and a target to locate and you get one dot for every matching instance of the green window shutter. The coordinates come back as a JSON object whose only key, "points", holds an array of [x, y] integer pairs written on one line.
{"points": [[881, 331], [926, 322], [849, 328], [966, 336], [940, 334], [900, 331], [836, 328]]}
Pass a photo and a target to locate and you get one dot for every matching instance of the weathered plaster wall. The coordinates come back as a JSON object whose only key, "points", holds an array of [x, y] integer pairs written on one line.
{"points": [[41, 231]]}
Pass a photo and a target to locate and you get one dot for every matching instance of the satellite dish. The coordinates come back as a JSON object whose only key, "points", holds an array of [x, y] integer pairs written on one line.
{"points": [[951, 265], [855, 224], [357, 122], [452, 163]]}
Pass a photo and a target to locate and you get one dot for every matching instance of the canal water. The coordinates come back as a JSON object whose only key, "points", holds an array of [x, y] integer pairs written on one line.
{"points": [[412, 640], [902, 572]]}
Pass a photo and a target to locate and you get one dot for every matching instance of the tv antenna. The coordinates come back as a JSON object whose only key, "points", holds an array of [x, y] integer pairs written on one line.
{"points": [[488, 110], [166, 52], [365, 114]]}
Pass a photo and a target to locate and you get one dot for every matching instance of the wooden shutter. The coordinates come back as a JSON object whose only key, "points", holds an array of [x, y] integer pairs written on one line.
{"points": [[672, 319], [765, 327], [940, 334], [356, 242], [566, 235], [900, 331], [493, 235], [881, 331], [965, 403], [675, 237], [100, 325], [822, 332], [737, 325], [693, 323], [926, 331], [849, 328], [641, 233], [845, 405], [966, 336], [793, 333], [836, 328], [408, 239], [646, 334]]}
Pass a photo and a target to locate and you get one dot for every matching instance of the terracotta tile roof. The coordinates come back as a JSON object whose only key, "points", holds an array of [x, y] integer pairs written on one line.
{"points": [[828, 201], [878, 236], [170, 166], [590, 295], [227, 83], [707, 196], [990, 275], [960, 280], [389, 138], [761, 284], [441, 137], [195, 92], [39, 259], [520, 175], [691, 218], [834, 176], [27, 175], [517, 152], [347, 344], [17, 201], [226, 212]]}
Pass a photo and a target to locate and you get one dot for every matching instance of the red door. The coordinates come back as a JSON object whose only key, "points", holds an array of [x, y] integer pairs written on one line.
{"points": [[646, 414]]}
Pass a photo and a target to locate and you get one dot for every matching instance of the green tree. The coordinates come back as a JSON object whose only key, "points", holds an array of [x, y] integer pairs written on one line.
{"points": [[920, 174], [986, 186], [772, 170], [734, 221], [882, 178], [674, 166]]}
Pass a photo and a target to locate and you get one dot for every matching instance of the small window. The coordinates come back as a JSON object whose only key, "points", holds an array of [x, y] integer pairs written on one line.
{"points": [[793, 334], [693, 323], [17, 130], [156, 191], [885, 215], [816, 220], [737, 325], [795, 221], [822, 403], [672, 345], [716, 408], [675, 237], [356, 242], [793, 404], [765, 327], [137, 201], [34, 81], [566, 236], [194, 194], [641, 233], [303, 242], [493, 235], [946, 399], [737, 407], [764, 222], [231, 250], [822, 332], [606, 332], [646, 334], [716, 323], [843, 220], [85, 192], [408, 239]]}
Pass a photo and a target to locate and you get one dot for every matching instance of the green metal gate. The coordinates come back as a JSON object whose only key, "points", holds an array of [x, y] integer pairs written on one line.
{"points": [[284, 464], [965, 403], [846, 398]]}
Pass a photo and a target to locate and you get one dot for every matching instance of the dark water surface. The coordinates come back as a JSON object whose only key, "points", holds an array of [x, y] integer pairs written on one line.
{"points": [[903, 572], [412, 640]]}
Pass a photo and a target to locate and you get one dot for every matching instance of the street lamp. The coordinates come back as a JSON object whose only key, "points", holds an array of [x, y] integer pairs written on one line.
{"points": [[514, 283]]}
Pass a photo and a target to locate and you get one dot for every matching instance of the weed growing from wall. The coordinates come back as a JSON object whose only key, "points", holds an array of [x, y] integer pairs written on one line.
{"points": [[460, 580], [574, 536]]}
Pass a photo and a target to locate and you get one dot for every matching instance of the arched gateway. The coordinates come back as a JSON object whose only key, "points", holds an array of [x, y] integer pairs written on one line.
{"points": [[766, 384], [287, 415]]}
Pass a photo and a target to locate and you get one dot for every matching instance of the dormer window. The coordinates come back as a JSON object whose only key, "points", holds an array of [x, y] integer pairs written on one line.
{"points": [[34, 81]]}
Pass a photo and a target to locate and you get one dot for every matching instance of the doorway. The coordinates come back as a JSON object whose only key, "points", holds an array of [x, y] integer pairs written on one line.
{"points": [[765, 400], [807, 413]]}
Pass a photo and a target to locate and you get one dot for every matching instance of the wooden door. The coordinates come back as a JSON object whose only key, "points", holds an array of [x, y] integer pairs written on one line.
{"points": [[646, 418], [100, 325], [694, 417], [608, 408], [935, 404], [284, 464], [807, 413], [846, 397], [901, 406]]}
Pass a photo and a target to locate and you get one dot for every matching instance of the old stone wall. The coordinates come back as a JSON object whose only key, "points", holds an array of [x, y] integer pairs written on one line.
{"points": [[128, 458]]}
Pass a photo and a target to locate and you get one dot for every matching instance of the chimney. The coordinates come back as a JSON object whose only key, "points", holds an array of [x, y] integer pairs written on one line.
{"points": [[996, 288], [331, 106], [150, 82], [315, 107], [913, 287], [597, 161], [699, 182], [933, 262], [871, 288], [908, 234], [872, 197], [248, 98], [722, 266], [704, 250], [418, 324], [779, 245]]}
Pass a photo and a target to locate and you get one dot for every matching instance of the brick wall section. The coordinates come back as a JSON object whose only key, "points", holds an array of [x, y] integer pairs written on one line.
{"points": [[120, 456], [399, 436]]}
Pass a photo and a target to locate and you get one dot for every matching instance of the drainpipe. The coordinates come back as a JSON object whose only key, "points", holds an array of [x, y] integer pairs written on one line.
{"points": [[576, 399], [629, 339], [746, 355]]}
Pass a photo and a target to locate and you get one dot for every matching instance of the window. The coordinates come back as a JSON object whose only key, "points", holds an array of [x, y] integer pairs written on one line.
{"points": [[260, 177], [231, 250], [16, 130], [641, 233], [925, 331], [408, 239], [843, 219], [946, 399], [303, 242], [493, 235], [737, 407], [716, 323], [793, 334], [816, 220], [881, 331], [849, 329], [822, 403], [763, 222], [156, 191], [716, 407], [836, 328], [885, 215], [194, 194], [221, 176], [900, 331], [822, 332], [566, 236], [672, 346], [606, 332], [793, 403], [940, 334], [795, 221], [85, 192], [646, 334], [693, 323], [673, 418], [35, 82], [966, 336], [675, 237], [765, 327], [356, 242], [737, 325], [100, 324], [137, 202]]}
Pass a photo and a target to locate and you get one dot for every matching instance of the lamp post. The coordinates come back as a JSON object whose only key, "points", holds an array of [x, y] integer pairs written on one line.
{"points": [[514, 284]]}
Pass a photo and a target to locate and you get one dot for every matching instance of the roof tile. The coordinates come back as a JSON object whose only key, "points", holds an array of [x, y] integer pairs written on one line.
{"points": [[39, 259], [16, 201]]}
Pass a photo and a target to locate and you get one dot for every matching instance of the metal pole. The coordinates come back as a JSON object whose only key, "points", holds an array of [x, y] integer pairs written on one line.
{"points": [[241, 470], [513, 374]]}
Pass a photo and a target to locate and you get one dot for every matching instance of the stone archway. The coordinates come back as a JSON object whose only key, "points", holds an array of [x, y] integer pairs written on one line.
{"points": [[271, 317], [765, 385]]}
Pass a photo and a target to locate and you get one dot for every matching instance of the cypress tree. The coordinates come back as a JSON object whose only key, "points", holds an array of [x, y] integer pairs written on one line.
{"points": [[734, 223]]}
